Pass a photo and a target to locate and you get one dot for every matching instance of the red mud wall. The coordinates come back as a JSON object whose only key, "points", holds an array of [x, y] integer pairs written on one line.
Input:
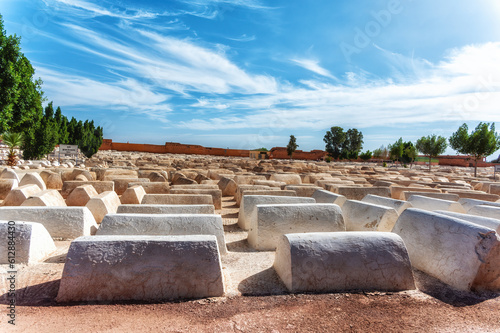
{"points": [[173, 148], [179, 148], [464, 161], [281, 153]]}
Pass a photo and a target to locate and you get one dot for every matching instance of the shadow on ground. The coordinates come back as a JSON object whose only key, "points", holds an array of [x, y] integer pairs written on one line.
{"points": [[447, 294], [266, 282]]}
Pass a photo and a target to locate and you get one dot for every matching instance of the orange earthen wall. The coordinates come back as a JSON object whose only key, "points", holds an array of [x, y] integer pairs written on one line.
{"points": [[179, 148], [464, 161], [281, 153]]}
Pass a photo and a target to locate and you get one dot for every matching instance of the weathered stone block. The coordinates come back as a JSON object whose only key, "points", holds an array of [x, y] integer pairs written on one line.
{"points": [[227, 186], [343, 261], [322, 196], [486, 211], [133, 195], [216, 194], [487, 222], [363, 216], [49, 198], [288, 178], [303, 190], [19, 194], [32, 242], [33, 178], [461, 254], [164, 225], [121, 184], [60, 222], [273, 221], [102, 204], [99, 186], [431, 204], [166, 209], [153, 187], [444, 196], [248, 213], [81, 195], [111, 268], [177, 199], [398, 205], [6, 185]]}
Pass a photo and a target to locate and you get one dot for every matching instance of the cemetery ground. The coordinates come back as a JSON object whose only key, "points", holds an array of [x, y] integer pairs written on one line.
{"points": [[255, 301], [255, 298]]}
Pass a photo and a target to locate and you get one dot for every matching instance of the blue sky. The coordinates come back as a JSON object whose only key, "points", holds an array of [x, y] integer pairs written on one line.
{"points": [[249, 73]]}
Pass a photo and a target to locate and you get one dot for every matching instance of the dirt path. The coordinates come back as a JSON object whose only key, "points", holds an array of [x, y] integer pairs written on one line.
{"points": [[256, 301]]}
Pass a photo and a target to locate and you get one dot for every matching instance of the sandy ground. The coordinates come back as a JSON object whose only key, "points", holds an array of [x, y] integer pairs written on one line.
{"points": [[255, 301]]}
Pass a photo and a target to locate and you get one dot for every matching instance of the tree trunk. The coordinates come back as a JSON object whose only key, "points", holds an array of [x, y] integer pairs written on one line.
{"points": [[475, 168], [430, 159]]}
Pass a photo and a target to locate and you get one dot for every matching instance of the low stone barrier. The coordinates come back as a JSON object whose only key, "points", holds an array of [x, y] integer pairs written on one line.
{"points": [[343, 261], [398, 205], [461, 254], [60, 222], [272, 221], [102, 204], [323, 196], [99, 186], [19, 194], [164, 225], [165, 209], [177, 199], [49, 198], [487, 222], [141, 268], [363, 216], [432, 204], [81, 195], [486, 211], [468, 203], [32, 242], [248, 213], [133, 195], [444, 196], [358, 193], [215, 193]]}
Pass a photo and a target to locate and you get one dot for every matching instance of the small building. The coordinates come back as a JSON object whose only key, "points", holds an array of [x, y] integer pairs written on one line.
{"points": [[259, 154]]}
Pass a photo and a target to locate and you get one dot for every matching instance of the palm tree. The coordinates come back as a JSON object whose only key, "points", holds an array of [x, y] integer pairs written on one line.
{"points": [[13, 140]]}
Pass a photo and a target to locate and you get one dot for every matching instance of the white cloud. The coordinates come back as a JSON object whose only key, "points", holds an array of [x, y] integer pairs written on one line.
{"points": [[313, 66], [86, 8], [127, 94], [463, 87], [172, 63], [242, 38]]}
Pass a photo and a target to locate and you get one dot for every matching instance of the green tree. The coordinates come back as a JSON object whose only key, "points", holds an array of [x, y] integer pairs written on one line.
{"points": [[20, 94], [409, 153], [292, 146], [353, 144], [13, 141], [482, 142], [396, 150], [62, 124], [366, 155], [334, 139], [431, 146]]}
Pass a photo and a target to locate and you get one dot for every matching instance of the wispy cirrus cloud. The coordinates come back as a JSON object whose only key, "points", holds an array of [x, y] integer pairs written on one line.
{"points": [[175, 64], [87, 8], [313, 66], [465, 86], [125, 94], [242, 38]]}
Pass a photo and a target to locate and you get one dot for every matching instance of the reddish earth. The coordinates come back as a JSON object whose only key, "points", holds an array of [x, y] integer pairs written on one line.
{"points": [[371, 312]]}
